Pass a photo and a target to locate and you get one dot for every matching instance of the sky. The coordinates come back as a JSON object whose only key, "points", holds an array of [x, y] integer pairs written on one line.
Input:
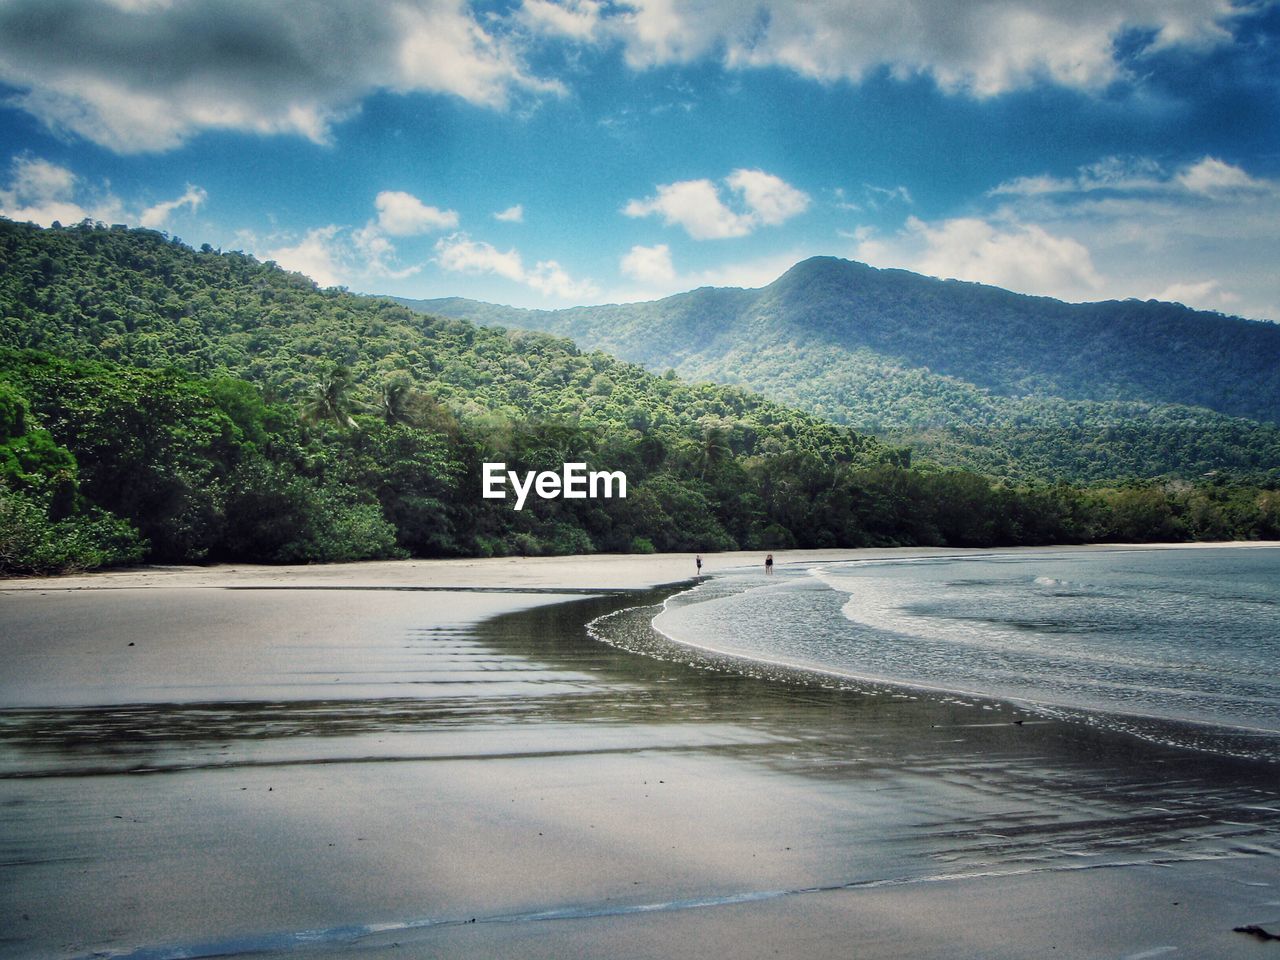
{"points": [[545, 153]]}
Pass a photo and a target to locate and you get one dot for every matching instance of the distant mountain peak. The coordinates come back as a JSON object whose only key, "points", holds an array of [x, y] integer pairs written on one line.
{"points": [[1044, 387]]}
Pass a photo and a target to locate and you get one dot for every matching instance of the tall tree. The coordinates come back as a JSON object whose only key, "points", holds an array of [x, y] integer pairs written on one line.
{"points": [[395, 402], [331, 401]]}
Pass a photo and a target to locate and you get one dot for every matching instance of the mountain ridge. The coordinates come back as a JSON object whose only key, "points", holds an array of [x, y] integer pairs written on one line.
{"points": [[162, 402], [969, 374]]}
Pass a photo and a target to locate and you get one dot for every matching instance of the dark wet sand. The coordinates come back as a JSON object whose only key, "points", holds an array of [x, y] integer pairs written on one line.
{"points": [[294, 772]]}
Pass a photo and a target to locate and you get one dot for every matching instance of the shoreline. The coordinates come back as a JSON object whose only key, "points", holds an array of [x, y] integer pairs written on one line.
{"points": [[573, 572], [437, 759]]}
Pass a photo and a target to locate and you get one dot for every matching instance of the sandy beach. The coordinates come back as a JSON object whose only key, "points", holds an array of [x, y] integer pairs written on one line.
{"points": [[436, 759]]}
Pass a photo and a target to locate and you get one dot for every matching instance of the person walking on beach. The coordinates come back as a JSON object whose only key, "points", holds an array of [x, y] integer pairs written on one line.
{"points": [[698, 561], [768, 564]]}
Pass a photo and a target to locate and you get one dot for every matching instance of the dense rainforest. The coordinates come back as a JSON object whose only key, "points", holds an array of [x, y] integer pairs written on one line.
{"points": [[164, 403], [1015, 387]]}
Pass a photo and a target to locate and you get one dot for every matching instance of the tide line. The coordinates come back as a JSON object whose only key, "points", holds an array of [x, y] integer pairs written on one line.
{"points": [[380, 934]]}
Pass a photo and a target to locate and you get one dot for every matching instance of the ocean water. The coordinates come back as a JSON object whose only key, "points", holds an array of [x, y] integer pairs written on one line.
{"points": [[1180, 646]]}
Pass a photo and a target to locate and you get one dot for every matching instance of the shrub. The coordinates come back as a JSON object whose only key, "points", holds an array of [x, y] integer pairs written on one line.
{"points": [[32, 543]]}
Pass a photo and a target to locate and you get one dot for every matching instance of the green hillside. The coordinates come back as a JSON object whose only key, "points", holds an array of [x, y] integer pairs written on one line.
{"points": [[1026, 388], [178, 405]]}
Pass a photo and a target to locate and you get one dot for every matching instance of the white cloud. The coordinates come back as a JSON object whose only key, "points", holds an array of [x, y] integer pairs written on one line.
{"points": [[649, 265], [373, 243], [1022, 257], [860, 235], [1116, 174], [39, 181], [1205, 233], [1211, 175], [368, 251], [771, 199], [976, 48], [656, 276], [749, 274], [335, 255], [873, 198], [158, 215], [317, 256], [379, 254], [694, 205], [402, 214], [458, 253], [578, 19], [440, 48], [887, 194], [145, 76], [1163, 230], [513, 214], [650, 30], [1205, 295], [550, 279], [762, 199], [1121, 175], [42, 192], [1035, 186]]}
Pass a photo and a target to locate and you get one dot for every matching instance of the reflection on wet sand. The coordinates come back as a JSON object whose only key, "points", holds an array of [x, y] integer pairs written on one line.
{"points": [[528, 772]]}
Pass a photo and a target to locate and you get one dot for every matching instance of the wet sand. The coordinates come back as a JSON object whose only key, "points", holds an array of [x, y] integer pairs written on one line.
{"points": [[331, 760]]}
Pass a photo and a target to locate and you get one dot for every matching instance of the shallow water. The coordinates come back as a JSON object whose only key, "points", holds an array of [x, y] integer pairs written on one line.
{"points": [[1179, 646], [386, 767]]}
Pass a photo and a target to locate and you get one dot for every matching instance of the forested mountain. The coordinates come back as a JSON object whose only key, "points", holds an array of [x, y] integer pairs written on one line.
{"points": [[166, 403], [137, 298], [970, 375]]}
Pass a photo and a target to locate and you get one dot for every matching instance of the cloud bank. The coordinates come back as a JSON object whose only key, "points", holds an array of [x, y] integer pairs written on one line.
{"points": [[137, 77], [982, 48], [1203, 233], [147, 77]]}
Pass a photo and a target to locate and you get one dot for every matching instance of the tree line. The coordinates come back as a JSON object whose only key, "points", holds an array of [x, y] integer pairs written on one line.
{"points": [[174, 405], [102, 464], [1010, 386]]}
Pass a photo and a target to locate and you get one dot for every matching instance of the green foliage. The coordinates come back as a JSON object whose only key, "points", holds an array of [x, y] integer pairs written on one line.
{"points": [[1027, 389], [203, 469], [204, 406], [33, 543], [330, 400], [45, 526], [136, 298], [336, 526], [150, 445], [13, 414], [30, 460], [417, 480], [273, 515]]}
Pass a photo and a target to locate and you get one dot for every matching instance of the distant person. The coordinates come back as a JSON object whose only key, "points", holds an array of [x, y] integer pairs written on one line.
{"points": [[699, 563], [768, 564]]}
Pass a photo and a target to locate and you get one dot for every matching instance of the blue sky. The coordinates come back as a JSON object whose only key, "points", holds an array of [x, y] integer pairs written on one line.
{"points": [[553, 152]]}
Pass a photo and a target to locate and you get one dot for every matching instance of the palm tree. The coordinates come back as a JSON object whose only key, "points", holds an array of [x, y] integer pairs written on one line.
{"points": [[330, 401], [714, 448], [395, 402]]}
